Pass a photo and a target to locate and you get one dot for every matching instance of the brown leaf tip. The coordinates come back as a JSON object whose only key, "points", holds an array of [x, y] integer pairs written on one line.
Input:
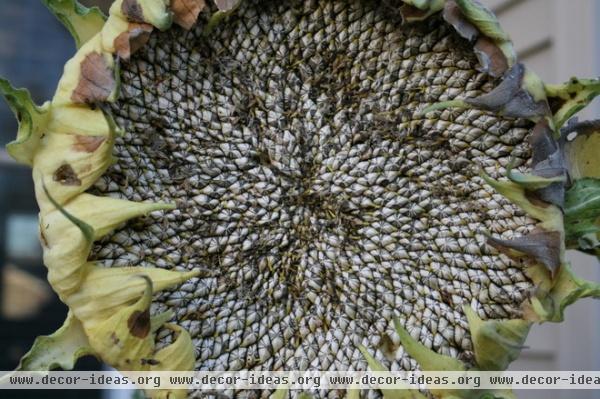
{"points": [[410, 13], [543, 246], [454, 17], [87, 143], [492, 58], [151, 362], [185, 12], [139, 323], [132, 40], [115, 340], [132, 10], [66, 176], [96, 82]]}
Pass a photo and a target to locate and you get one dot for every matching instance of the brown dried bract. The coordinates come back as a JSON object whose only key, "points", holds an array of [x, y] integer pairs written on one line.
{"points": [[543, 246], [509, 98], [66, 176], [454, 17], [132, 40], [43, 239], [139, 323], [132, 10], [96, 82], [548, 160], [410, 13], [491, 57], [88, 143], [185, 12], [541, 141]]}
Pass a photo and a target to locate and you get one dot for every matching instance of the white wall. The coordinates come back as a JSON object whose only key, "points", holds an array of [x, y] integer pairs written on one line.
{"points": [[559, 39]]}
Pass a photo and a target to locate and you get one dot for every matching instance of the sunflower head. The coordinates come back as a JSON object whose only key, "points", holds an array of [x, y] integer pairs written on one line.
{"points": [[304, 185]]}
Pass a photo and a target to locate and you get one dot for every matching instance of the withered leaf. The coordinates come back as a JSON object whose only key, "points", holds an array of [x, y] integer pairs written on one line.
{"points": [[454, 17], [139, 323], [410, 13], [152, 362], [541, 141], [43, 239], [132, 40], [582, 213], [96, 82], [548, 161], [88, 143], [543, 246], [491, 57], [509, 98], [552, 166], [504, 92], [66, 176], [132, 10], [185, 12]]}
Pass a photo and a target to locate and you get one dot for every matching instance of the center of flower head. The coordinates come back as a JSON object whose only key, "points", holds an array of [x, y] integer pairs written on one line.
{"points": [[311, 187]]}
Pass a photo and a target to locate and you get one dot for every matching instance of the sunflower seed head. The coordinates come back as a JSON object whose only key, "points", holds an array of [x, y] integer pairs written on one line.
{"points": [[310, 186]]}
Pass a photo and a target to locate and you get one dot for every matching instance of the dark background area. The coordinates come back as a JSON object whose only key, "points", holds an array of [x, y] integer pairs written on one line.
{"points": [[34, 47]]}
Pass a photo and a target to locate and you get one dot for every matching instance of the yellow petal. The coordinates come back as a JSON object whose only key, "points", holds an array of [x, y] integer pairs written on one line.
{"points": [[104, 290], [125, 339], [69, 164], [66, 247]]}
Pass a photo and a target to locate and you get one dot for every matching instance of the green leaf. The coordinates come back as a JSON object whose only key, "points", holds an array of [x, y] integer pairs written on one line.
{"points": [[569, 98], [402, 393], [82, 22], [225, 9], [353, 393], [496, 343], [483, 19], [567, 288], [550, 216], [282, 392], [428, 359], [582, 214], [32, 122], [58, 350]]}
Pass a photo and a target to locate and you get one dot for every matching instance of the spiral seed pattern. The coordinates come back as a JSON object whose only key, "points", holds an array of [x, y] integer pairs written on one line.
{"points": [[310, 187]]}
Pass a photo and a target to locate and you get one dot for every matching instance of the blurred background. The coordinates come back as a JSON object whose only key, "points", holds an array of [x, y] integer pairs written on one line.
{"points": [[556, 38], [33, 49], [559, 39]]}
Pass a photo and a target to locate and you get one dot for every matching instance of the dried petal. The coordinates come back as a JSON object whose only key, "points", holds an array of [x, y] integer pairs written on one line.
{"points": [[491, 57], [96, 83], [88, 143], [132, 10], [132, 40], [66, 175], [186, 11], [454, 17], [543, 246], [512, 97]]}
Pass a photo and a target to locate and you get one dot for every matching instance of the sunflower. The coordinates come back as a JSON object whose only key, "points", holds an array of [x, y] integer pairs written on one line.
{"points": [[305, 185]]}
